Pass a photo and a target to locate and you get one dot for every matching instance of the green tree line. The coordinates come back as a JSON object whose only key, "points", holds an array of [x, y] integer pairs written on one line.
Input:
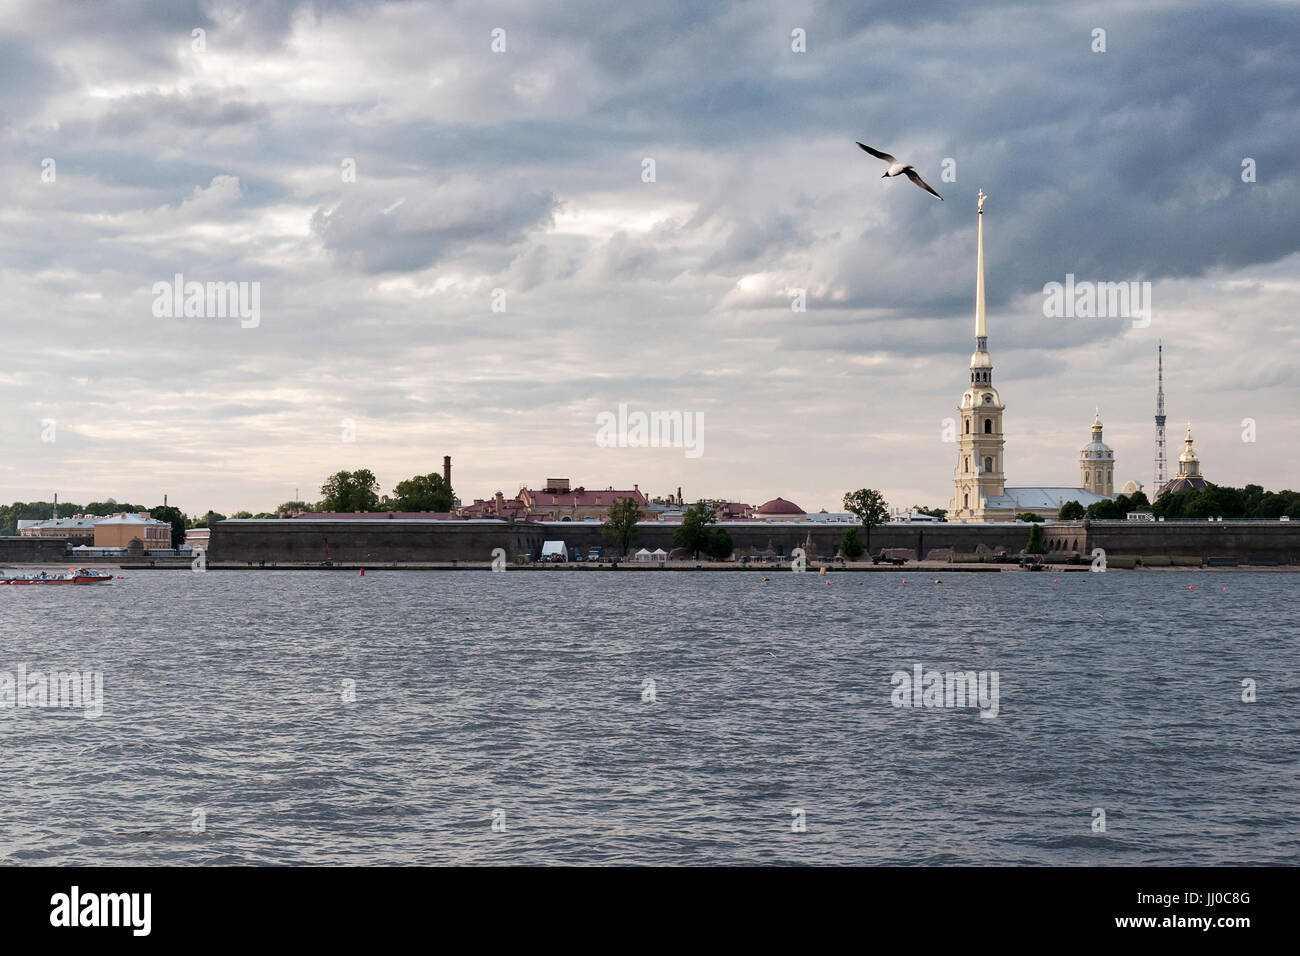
{"points": [[1191, 504]]}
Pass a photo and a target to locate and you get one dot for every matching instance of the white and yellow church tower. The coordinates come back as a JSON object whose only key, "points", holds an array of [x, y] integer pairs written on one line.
{"points": [[980, 489], [979, 475]]}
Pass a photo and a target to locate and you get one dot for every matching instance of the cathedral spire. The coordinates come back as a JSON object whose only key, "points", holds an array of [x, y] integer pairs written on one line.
{"points": [[981, 330], [981, 364]]}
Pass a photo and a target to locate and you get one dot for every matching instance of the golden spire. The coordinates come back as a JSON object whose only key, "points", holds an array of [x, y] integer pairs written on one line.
{"points": [[981, 332]]}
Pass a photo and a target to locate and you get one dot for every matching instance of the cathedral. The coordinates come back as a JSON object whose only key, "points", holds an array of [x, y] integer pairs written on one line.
{"points": [[980, 492]]}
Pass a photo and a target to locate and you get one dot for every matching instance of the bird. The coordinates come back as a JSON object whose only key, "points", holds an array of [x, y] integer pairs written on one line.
{"points": [[900, 169]]}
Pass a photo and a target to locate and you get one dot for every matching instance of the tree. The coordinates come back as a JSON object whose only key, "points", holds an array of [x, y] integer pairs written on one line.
{"points": [[203, 521], [621, 525], [173, 516], [242, 514], [693, 533], [1029, 516], [289, 507], [102, 508], [1070, 511], [10, 515], [870, 508], [423, 493], [719, 545], [932, 512], [1035, 545], [850, 546], [350, 491]]}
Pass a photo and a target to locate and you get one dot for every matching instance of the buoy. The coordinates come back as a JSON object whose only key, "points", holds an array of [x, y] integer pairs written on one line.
{"points": [[1056, 580], [362, 574], [828, 584], [904, 580], [937, 581], [765, 579], [1191, 587]]}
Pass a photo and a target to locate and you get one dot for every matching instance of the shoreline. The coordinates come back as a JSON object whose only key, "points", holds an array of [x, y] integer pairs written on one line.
{"points": [[183, 564]]}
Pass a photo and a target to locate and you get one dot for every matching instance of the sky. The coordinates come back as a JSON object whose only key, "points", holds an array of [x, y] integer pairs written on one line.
{"points": [[468, 251]]}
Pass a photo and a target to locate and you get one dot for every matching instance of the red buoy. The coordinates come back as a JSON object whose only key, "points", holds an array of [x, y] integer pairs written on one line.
{"points": [[362, 574]]}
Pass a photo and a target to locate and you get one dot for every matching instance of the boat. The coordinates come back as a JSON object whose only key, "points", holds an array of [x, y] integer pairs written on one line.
{"points": [[70, 576]]}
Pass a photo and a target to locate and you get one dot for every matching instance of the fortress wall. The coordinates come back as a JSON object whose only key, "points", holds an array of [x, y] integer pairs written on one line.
{"points": [[1275, 540], [295, 540], [17, 549], [1269, 540]]}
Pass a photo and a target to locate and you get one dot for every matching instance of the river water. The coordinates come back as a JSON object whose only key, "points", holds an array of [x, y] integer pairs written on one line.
{"points": [[471, 717]]}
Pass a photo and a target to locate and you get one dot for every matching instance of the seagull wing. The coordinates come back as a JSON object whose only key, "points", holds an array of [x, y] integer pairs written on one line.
{"points": [[878, 154], [911, 174]]}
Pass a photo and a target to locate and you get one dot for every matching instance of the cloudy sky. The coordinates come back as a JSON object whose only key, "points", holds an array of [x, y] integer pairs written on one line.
{"points": [[225, 156]]}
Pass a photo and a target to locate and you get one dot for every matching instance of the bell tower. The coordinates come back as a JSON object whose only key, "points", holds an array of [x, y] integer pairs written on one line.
{"points": [[1097, 463], [979, 474]]}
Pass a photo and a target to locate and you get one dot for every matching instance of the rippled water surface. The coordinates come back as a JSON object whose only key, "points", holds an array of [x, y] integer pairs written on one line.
{"points": [[522, 692]]}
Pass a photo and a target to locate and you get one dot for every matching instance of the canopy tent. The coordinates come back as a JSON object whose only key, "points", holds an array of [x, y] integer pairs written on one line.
{"points": [[550, 548], [642, 555]]}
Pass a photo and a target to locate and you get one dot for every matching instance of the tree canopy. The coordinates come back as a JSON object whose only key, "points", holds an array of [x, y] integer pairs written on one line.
{"points": [[719, 545], [423, 493], [1071, 511], [851, 545], [1221, 501], [868, 505], [693, 533], [350, 491], [173, 516], [620, 527]]}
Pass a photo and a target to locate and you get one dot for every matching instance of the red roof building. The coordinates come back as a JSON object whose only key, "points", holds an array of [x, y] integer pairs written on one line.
{"points": [[558, 502], [778, 509]]}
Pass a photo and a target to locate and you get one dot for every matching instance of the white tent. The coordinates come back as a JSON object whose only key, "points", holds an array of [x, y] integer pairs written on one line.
{"points": [[659, 553], [550, 548], [642, 555]]}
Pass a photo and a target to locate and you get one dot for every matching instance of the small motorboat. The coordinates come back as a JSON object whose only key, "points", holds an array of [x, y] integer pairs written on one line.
{"points": [[70, 576]]}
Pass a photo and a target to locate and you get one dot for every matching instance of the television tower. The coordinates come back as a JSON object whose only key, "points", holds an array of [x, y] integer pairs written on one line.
{"points": [[1160, 417]]}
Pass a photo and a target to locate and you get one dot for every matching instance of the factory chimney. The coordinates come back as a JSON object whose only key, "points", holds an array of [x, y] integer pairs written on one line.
{"points": [[446, 469]]}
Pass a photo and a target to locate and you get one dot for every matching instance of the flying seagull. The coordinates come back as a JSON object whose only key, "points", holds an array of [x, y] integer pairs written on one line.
{"points": [[900, 169]]}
